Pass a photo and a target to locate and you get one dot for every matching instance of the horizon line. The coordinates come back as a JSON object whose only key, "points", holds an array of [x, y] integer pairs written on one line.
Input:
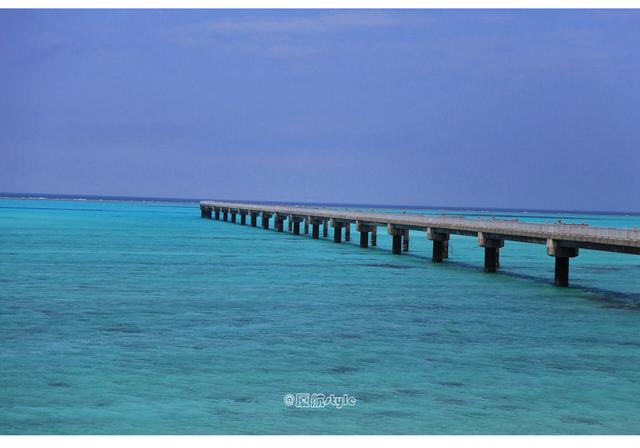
{"points": [[122, 198]]}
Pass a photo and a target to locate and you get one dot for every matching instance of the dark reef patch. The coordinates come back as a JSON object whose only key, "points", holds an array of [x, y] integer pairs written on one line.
{"points": [[123, 328], [343, 369], [583, 420], [449, 400], [451, 384], [386, 265]]}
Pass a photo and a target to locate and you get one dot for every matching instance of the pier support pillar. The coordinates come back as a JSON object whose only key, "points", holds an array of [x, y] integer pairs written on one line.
{"points": [[396, 246], [364, 239], [294, 224], [364, 230], [491, 246], [265, 220], [347, 232], [254, 219], [306, 226], [280, 222], [325, 229], [243, 218], [290, 224], [225, 215], [562, 272], [337, 230], [405, 241], [490, 259], [396, 233], [440, 242], [562, 255], [233, 216], [205, 212], [217, 214], [315, 226], [374, 236], [437, 254]]}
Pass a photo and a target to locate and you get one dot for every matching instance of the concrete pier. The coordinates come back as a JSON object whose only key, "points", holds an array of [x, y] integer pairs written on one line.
{"points": [[325, 228], [563, 241]]}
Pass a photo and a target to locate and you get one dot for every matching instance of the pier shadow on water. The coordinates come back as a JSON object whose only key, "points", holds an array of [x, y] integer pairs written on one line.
{"points": [[603, 297]]}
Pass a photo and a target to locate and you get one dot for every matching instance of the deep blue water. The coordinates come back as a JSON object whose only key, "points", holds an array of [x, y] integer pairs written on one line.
{"points": [[125, 317]]}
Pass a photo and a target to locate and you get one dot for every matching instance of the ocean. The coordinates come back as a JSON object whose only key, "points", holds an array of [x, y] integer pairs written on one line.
{"points": [[136, 317]]}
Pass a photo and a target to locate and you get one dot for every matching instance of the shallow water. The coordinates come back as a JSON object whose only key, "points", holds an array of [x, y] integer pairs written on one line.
{"points": [[121, 317]]}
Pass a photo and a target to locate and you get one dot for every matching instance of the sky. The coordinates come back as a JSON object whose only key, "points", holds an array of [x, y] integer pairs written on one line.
{"points": [[501, 109]]}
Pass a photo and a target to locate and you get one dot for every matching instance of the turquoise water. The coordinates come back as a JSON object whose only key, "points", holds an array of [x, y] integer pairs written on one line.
{"points": [[144, 318]]}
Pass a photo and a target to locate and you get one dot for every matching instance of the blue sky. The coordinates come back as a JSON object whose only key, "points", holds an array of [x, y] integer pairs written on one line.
{"points": [[533, 109]]}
